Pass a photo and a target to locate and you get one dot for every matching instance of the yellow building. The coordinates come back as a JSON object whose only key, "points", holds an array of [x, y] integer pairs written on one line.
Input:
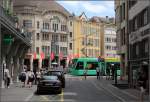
{"points": [[87, 37]]}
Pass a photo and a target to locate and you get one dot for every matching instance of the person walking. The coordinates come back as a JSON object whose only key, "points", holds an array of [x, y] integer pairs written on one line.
{"points": [[22, 77], [142, 83], [30, 78], [85, 73], [107, 73], [98, 72], [6, 78], [38, 76]]}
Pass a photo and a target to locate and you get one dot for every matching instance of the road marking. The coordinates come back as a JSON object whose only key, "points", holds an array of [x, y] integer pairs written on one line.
{"points": [[45, 98], [113, 94], [62, 96], [29, 97], [133, 96]]}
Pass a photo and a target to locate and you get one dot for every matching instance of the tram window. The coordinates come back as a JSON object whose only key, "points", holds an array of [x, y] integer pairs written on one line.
{"points": [[80, 65], [92, 65]]}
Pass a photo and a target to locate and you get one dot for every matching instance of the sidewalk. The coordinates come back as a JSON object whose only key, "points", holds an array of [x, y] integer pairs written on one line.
{"points": [[122, 85], [16, 94]]}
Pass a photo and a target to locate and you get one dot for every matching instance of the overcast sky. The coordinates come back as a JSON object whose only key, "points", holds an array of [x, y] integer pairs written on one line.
{"points": [[91, 8]]}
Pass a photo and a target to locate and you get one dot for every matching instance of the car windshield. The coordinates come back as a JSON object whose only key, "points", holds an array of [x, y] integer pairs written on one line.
{"points": [[49, 78]]}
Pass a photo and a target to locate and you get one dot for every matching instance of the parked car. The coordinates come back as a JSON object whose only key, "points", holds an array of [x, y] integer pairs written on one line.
{"points": [[49, 83], [60, 75]]}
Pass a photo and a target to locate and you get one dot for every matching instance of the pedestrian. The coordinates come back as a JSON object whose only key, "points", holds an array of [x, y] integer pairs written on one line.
{"points": [[31, 77], [98, 72], [38, 76], [107, 73], [6, 78], [22, 77], [85, 73], [142, 83]]}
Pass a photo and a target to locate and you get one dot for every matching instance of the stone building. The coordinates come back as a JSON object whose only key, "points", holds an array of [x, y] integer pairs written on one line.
{"points": [[47, 23]]}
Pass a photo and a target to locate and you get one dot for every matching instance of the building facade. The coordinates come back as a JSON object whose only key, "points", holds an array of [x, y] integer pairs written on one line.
{"points": [[139, 37], [110, 48], [47, 23], [121, 13], [13, 43], [86, 38]]}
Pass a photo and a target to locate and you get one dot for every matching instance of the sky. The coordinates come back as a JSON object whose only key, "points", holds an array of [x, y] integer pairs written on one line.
{"points": [[101, 8]]}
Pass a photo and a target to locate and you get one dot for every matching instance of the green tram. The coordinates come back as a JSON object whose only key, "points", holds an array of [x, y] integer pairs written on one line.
{"points": [[78, 65]]}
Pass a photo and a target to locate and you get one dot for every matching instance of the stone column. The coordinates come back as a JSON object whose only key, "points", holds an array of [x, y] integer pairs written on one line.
{"points": [[31, 63], [40, 63], [2, 71], [16, 68]]}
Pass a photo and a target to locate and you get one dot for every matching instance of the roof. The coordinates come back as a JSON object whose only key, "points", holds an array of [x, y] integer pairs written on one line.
{"points": [[41, 5]]}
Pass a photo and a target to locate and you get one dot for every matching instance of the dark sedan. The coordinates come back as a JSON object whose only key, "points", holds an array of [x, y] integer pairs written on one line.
{"points": [[49, 83], [60, 75]]}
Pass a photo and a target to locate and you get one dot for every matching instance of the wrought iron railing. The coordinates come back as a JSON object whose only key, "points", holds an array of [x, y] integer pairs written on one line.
{"points": [[6, 17]]}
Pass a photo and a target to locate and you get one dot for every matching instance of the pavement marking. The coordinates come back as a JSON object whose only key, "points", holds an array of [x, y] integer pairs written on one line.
{"points": [[113, 94], [133, 96], [62, 96], [29, 97], [45, 98]]}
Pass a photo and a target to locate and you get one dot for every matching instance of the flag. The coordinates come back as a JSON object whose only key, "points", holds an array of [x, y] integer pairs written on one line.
{"points": [[52, 56], [60, 55], [42, 55], [34, 55]]}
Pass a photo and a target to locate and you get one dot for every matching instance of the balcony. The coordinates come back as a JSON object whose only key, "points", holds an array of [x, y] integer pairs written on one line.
{"points": [[46, 30], [8, 23], [5, 17]]}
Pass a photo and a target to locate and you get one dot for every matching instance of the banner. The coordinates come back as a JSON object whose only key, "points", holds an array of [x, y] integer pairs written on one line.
{"points": [[42, 55], [60, 55], [52, 56], [34, 55]]}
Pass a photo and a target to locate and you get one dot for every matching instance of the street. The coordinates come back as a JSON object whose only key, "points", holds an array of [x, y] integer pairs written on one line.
{"points": [[79, 90]]}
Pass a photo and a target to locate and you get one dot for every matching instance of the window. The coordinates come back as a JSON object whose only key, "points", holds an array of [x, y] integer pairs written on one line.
{"points": [[64, 50], [37, 36], [38, 24], [80, 65], [123, 36], [137, 49], [37, 50], [63, 28], [70, 23], [108, 47], [45, 25], [146, 46], [70, 34], [55, 27], [27, 23], [92, 65], [55, 38], [45, 36], [145, 17], [123, 11], [63, 38], [70, 46]]}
